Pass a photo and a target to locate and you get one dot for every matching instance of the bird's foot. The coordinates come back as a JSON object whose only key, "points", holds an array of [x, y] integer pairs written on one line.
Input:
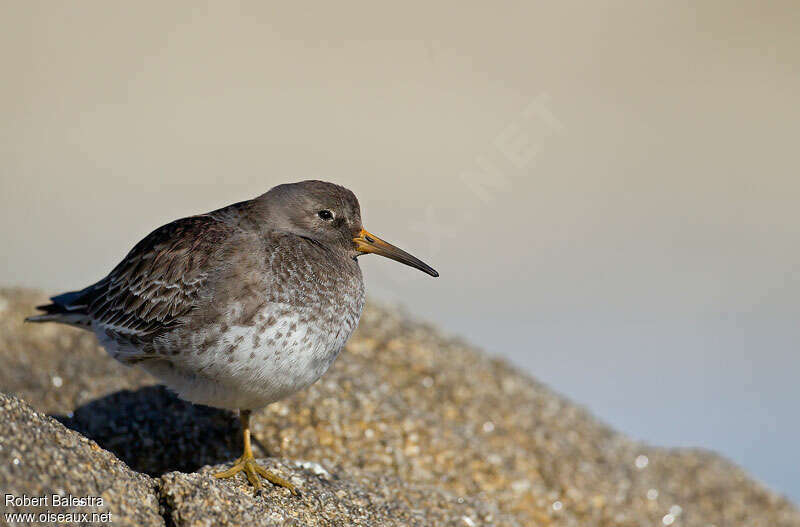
{"points": [[252, 470]]}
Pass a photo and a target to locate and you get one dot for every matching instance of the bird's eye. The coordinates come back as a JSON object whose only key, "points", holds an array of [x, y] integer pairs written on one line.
{"points": [[325, 215]]}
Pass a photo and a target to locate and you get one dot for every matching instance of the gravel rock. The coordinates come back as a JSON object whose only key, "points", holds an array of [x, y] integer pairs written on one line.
{"points": [[410, 427], [355, 499], [39, 457]]}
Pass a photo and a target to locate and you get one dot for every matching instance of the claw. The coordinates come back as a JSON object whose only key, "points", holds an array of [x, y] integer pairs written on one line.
{"points": [[252, 470], [247, 463]]}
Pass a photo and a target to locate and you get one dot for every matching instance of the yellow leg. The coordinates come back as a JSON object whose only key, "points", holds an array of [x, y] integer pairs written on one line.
{"points": [[247, 462]]}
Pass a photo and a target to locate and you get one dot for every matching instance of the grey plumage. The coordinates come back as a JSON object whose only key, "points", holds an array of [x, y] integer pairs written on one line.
{"points": [[241, 306]]}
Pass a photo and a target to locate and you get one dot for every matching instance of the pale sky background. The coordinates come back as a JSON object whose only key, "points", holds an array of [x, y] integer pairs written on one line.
{"points": [[610, 192]]}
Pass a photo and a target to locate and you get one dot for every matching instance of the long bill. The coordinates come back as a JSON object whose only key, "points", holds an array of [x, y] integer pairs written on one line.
{"points": [[369, 243]]}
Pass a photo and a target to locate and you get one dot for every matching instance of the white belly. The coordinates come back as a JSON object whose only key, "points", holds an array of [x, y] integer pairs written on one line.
{"points": [[251, 366]]}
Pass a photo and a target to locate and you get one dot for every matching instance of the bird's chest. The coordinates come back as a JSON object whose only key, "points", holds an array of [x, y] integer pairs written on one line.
{"points": [[295, 334], [291, 336]]}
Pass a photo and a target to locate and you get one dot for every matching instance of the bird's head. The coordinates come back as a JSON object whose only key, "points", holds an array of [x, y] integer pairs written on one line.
{"points": [[329, 214]]}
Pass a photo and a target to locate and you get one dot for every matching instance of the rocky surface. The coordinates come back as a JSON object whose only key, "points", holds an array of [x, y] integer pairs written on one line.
{"points": [[39, 457], [408, 428], [328, 498]]}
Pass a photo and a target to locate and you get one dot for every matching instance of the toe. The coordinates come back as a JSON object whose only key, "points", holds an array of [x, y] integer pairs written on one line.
{"points": [[252, 477], [235, 469], [276, 480]]}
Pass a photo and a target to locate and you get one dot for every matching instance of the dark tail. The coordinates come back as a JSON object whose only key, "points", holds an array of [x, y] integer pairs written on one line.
{"points": [[67, 308]]}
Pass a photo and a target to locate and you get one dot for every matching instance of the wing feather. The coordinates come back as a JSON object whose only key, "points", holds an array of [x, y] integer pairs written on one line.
{"points": [[160, 280]]}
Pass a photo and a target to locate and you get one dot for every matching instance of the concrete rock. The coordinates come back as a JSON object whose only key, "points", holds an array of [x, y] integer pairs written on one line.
{"points": [[354, 499], [39, 457], [409, 427]]}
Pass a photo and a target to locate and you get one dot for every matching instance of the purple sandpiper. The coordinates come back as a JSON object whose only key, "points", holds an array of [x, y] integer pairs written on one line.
{"points": [[239, 307]]}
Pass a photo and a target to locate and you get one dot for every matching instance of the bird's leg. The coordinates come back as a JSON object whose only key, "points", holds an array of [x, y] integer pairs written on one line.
{"points": [[247, 462]]}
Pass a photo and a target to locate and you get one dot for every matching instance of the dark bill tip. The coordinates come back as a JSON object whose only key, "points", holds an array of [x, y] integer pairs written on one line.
{"points": [[369, 243]]}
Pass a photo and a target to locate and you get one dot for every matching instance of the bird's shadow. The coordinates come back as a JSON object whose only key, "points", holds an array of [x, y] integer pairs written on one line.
{"points": [[154, 432]]}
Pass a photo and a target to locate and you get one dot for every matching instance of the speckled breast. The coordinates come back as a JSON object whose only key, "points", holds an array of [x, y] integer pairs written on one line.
{"points": [[266, 347]]}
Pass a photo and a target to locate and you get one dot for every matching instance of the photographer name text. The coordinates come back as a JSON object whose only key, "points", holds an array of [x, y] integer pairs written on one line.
{"points": [[53, 500]]}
